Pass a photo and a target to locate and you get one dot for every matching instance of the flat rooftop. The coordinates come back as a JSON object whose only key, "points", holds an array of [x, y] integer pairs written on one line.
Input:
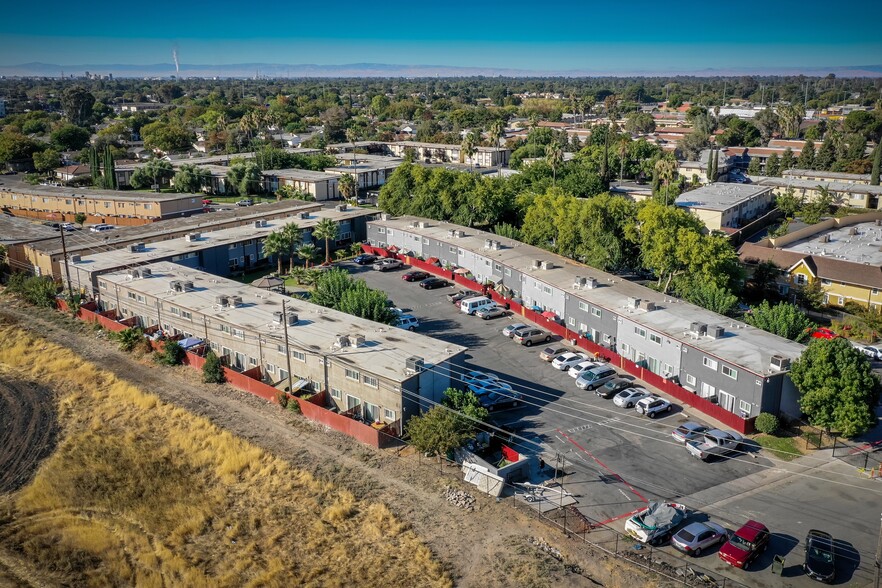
{"points": [[84, 240], [833, 186], [862, 247], [384, 352], [719, 196], [742, 344], [162, 250], [439, 145], [89, 194], [223, 159], [364, 165], [842, 176], [20, 230], [304, 175]]}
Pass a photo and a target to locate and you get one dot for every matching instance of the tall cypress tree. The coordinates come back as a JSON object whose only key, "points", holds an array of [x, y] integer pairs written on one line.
{"points": [[877, 160], [110, 170], [94, 170]]}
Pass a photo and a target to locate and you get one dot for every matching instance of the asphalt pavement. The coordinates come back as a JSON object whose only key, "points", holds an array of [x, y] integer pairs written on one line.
{"points": [[614, 460]]}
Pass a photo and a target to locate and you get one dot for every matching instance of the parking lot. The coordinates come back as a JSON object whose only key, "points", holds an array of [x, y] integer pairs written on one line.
{"points": [[614, 460]]}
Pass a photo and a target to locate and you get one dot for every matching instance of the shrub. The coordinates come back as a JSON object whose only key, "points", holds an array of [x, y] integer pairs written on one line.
{"points": [[35, 290], [129, 338], [172, 354], [212, 369], [766, 423], [294, 406], [282, 399]]}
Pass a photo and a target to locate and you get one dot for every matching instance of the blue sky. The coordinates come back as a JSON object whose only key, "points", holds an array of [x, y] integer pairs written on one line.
{"points": [[636, 35]]}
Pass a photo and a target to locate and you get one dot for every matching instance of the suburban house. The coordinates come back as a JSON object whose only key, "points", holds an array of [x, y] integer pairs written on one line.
{"points": [[372, 372], [741, 368], [73, 172], [722, 206], [843, 254]]}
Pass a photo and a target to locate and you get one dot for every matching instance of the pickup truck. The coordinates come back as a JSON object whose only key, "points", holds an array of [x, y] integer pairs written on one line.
{"points": [[715, 443], [656, 523], [387, 264]]}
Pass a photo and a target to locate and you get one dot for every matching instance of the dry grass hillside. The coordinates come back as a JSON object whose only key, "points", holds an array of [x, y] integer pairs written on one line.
{"points": [[139, 492]]}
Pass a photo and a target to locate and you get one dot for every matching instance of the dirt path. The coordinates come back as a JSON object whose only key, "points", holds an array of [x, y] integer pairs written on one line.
{"points": [[27, 431], [487, 547]]}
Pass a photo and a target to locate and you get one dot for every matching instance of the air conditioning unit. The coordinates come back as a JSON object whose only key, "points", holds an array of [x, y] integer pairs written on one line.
{"points": [[852, 231], [825, 238], [423, 225], [579, 282], [356, 340], [234, 301], [590, 283], [193, 237], [488, 243], [305, 215], [414, 364], [75, 259], [633, 303], [697, 328], [647, 305], [341, 208], [257, 224], [141, 246], [263, 222], [386, 216], [779, 363], [277, 316], [133, 248], [175, 286], [450, 232], [716, 332], [537, 263], [188, 286], [146, 272], [134, 274], [495, 245], [221, 300], [547, 265], [341, 341]]}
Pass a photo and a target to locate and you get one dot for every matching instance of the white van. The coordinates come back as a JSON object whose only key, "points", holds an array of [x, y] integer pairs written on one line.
{"points": [[100, 228], [407, 321], [472, 305]]}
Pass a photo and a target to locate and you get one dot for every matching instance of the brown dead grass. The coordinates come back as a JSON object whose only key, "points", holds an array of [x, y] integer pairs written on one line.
{"points": [[142, 493]]}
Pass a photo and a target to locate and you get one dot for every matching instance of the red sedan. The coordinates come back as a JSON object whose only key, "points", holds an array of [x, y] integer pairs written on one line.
{"points": [[745, 545], [822, 333], [415, 276]]}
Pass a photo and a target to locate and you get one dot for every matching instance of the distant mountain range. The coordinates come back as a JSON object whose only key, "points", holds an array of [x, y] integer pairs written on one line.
{"points": [[377, 70]]}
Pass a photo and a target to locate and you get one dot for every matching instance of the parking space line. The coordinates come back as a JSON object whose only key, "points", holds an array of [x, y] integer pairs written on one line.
{"points": [[604, 466]]}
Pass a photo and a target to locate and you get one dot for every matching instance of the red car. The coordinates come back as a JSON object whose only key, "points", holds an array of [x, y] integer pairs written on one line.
{"points": [[414, 276], [207, 201], [822, 333], [745, 545]]}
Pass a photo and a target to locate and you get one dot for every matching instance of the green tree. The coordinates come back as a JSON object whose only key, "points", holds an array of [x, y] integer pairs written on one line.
{"points": [[639, 122], [366, 303], [16, 147], [465, 402], [753, 168], [782, 319], [666, 168], [276, 244], [826, 155], [768, 124], [308, 253], [293, 238], [213, 369], [497, 132], [330, 286], [789, 203], [47, 160], [787, 160], [326, 230], [77, 103], [439, 431], [468, 148], [773, 166], [80, 218], [766, 423], [347, 187], [554, 158], [712, 297], [70, 138], [128, 339], [877, 165], [811, 296], [167, 137], [172, 354], [191, 178], [837, 387], [245, 178], [155, 172], [813, 211], [806, 158]]}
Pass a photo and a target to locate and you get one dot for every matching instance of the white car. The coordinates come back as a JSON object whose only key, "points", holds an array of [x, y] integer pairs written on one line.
{"points": [[509, 331], [489, 312], [582, 367], [652, 406], [480, 378], [872, 352], [565, 361], [628, 397]]}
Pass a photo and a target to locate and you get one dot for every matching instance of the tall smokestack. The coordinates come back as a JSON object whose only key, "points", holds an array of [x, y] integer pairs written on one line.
{"points": [[175, 57]]}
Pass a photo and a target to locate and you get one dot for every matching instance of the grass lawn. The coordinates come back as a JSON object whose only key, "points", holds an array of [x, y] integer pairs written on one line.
{"points": [[783, 448]]}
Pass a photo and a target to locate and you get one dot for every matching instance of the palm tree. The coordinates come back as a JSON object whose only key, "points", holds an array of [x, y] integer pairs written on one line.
{"points": [[554, 157], [326, 230], [352, 137], [586, 106], [276, 244], [496, 132], [293, 236], [468, 149], [346, 184], [624, 143], [666, 168], [307, 252]]}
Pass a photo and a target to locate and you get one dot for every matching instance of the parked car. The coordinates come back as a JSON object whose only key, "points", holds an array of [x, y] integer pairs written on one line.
{"points": [[460, 294], [499, 399], [477, 377], [245, 202], [69, 227], [872, 352], [414, 276], [207, 201], [365, 259], [549, 353], [655, 523], [434, 283], [715, 443], [581, 367], [613, 387], [696, 537], [565, 361], [628, 397], [509, 330], [489, 312], [745, 545], [595, 377], [496, 387], [529, 336], [384, 265], [822, 333], [472, 305], [407, 321], [689, 432], [820, 559], [652, 406], [100, 228]]}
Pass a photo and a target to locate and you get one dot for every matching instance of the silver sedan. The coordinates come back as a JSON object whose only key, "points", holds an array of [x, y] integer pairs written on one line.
{"points": [[696, 537]]}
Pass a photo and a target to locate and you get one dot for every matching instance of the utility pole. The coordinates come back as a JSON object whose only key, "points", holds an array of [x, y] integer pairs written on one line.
{"points": [[62, 230], [878, 556], [287, 352]]}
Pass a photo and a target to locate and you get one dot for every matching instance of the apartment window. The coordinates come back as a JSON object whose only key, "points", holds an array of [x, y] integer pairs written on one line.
{"points": [[102, 285], [148, 206], [497, 267], [270, 368], [107, 205], [745, 406], [370, 412], [729, 372], [826, 282], [389, 232], [626, 349], [370, 381], [283, 374], [707, 390], [187, 315], [655, 338], [451, 249], [238, 333], [584, 307], [382, 231], [507, 272], [141, 299], [352, 375], [875, 291], [640, 332], [233, 246], [690, 379], [800, 279], [298, 356], [224, 328], [710, 363], [425, 241], [546, 289], [68, 202], [595, 312], [175, 310], [131, 295], [335, 393], [251, 360], [388, 415], [841, 300], [572, 322]]}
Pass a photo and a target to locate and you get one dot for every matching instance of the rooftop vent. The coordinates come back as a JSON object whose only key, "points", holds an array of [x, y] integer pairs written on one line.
{"points": [[423, 224], [633, 302], [221, 300], [277, 316], [341, 208], [488, 243], [495, 245], [146, 272], [75, 259], [234, 301], [716, 332], [590, 283], [306, 215], [579, 282], [414, 364], [133, 273], [459, 234], [193, 237], [779, 363], [852, 231], [647, 305], [547, 265], [825, 238], [176, 286], [188, 286], [341, 341], [451, 233], [356, 340], [385, 216], [698, 329]]}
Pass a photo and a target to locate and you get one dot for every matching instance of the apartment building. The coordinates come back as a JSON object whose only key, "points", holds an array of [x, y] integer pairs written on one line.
{"points": [[722, 206], [368, 171], [320, 185], [825, 176], [743, 369], [380, 374], [844, 193]]}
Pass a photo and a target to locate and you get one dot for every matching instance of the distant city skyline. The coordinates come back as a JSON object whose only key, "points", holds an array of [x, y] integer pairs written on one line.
{"points": [[644, 37]]}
